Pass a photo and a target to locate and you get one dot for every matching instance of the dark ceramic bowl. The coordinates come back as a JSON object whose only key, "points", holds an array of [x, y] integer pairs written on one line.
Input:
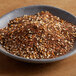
{"points": [[33, 10]]}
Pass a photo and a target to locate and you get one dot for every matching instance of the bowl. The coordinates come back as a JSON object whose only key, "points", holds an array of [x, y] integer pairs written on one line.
{"points": [[30, 10]]}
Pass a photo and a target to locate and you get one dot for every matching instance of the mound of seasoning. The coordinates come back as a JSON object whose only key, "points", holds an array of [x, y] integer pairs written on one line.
{"points": [[38, 36]]}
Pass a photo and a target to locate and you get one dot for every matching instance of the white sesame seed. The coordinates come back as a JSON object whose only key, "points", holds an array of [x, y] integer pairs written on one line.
{"points": [[52, 38]]}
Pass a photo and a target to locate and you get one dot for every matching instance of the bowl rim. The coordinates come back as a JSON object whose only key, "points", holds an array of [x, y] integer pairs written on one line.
{"points": [[38, 60]]}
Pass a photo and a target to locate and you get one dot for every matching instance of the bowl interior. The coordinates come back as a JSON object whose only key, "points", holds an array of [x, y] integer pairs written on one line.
{"points": [[33, 10]]}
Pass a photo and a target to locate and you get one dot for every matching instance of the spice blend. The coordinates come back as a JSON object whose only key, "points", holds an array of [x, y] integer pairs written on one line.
{"points": [[38, 36]]}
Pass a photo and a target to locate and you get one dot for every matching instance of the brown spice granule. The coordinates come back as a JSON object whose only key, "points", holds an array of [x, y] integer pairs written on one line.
{"points": [[38, 36]]}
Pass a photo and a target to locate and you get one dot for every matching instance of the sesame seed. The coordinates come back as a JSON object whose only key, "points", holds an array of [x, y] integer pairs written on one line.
{"points": [[52, 38]]}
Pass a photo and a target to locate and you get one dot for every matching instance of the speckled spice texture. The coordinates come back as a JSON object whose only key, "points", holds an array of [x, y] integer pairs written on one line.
{"points": [[9, 67], [39, 36]]}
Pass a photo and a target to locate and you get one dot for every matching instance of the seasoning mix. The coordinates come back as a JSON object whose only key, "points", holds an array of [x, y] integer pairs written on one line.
{"points": [[38, 36]]}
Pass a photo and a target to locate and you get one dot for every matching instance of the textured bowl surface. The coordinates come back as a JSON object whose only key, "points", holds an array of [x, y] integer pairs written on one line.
{"points": [[33, 10]]}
